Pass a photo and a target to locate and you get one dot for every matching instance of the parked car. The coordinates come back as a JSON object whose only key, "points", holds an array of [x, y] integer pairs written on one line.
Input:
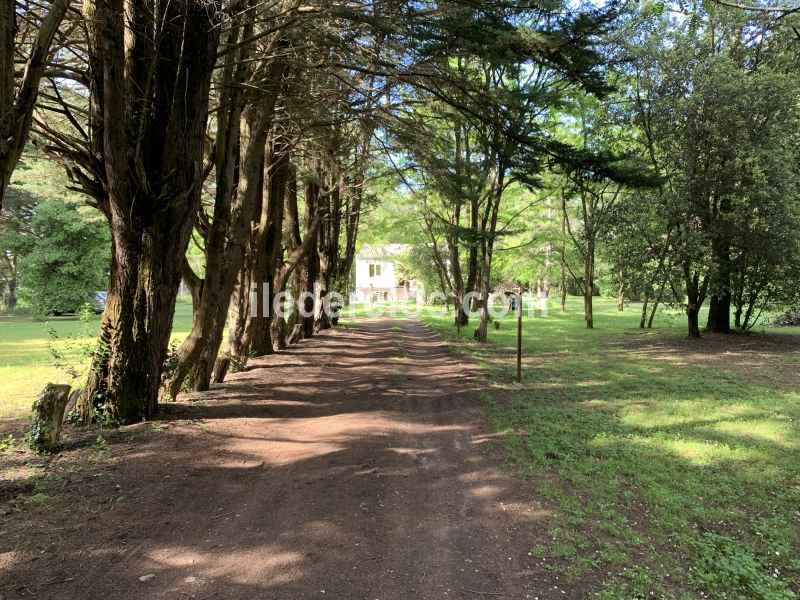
{"points": [[97, 300]]}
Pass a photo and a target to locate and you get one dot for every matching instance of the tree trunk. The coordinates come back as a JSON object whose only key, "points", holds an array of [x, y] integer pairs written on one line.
{"points": [[719, 315], [269, 250], [490, 228], [563, 253], [241, 314], [695, 292], [307, 275], [224, 247], [645, 304], [146, 269], [693, 315], [153, 187], [329, 258], [11, 294], [588, 284]]}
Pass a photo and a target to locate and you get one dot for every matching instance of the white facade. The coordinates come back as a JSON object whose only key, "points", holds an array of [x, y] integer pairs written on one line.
{"points": [[378, 276]]}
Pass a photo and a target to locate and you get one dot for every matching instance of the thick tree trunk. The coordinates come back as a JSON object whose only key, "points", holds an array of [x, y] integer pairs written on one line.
{"points": [[125, 378], [719, 314], [224, 247], [242, 316], [328, 251], [153, 186]]}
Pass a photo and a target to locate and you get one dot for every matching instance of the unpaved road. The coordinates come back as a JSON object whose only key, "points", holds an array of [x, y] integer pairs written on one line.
{"points": [[355, 466]]}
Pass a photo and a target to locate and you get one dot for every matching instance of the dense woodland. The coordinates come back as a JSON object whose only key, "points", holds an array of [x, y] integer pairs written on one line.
{"points": [[645, 150]]}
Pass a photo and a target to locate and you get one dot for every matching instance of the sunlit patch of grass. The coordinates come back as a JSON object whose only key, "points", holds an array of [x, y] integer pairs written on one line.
{"points": [[27, 363], [665, 465]]}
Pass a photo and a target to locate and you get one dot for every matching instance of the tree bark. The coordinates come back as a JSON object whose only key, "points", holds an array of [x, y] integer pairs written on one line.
{"points": [[695, 291], [224, 245], [645, 304], [153, 187], [563, 253], [719, 314], [270, 235], [588, 281], [307, 275], [285, 333], [328, 250]]}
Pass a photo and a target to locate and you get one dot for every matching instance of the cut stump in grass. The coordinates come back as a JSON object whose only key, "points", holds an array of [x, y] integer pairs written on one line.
{"points": [[48, 417]]}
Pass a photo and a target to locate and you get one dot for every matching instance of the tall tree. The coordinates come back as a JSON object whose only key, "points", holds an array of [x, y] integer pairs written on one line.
{"points": [[150, 74]]}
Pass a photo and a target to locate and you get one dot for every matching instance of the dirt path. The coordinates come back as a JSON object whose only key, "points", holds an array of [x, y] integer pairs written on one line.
{"points": [[354, 466]]}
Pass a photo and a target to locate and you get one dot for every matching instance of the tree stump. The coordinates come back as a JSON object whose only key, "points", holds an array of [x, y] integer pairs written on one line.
{"points": [[48, 417]]}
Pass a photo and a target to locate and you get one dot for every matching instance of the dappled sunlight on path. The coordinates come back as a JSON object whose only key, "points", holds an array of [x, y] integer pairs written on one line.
{"points": [[355, 465]]}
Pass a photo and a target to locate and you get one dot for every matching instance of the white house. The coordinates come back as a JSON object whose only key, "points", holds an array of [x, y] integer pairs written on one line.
{"points": [[379, 277]]}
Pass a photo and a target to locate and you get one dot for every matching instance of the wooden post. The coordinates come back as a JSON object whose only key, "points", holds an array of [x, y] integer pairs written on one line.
{"points": [[519, 338]]}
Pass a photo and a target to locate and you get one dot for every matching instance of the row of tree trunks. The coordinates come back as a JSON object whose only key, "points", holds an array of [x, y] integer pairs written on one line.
{"points": [[223, 247], [255, 331], [153, 186], [252, 184], [299, 248]]}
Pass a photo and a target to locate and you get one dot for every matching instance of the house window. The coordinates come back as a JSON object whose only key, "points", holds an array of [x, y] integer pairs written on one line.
{"points": [[374, 271]]}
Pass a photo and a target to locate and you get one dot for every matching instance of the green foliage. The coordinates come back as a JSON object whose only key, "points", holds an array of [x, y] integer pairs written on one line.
{"points": [[67, 259], [71, 353], [727, 569], [26, 354]]}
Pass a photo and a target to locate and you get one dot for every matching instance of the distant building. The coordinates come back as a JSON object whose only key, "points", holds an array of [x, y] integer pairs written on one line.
{"points": [[379, 277]]}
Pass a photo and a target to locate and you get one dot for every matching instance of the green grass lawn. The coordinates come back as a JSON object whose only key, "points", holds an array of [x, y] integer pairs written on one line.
{"points": [[673, 465], [28, 350]]}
